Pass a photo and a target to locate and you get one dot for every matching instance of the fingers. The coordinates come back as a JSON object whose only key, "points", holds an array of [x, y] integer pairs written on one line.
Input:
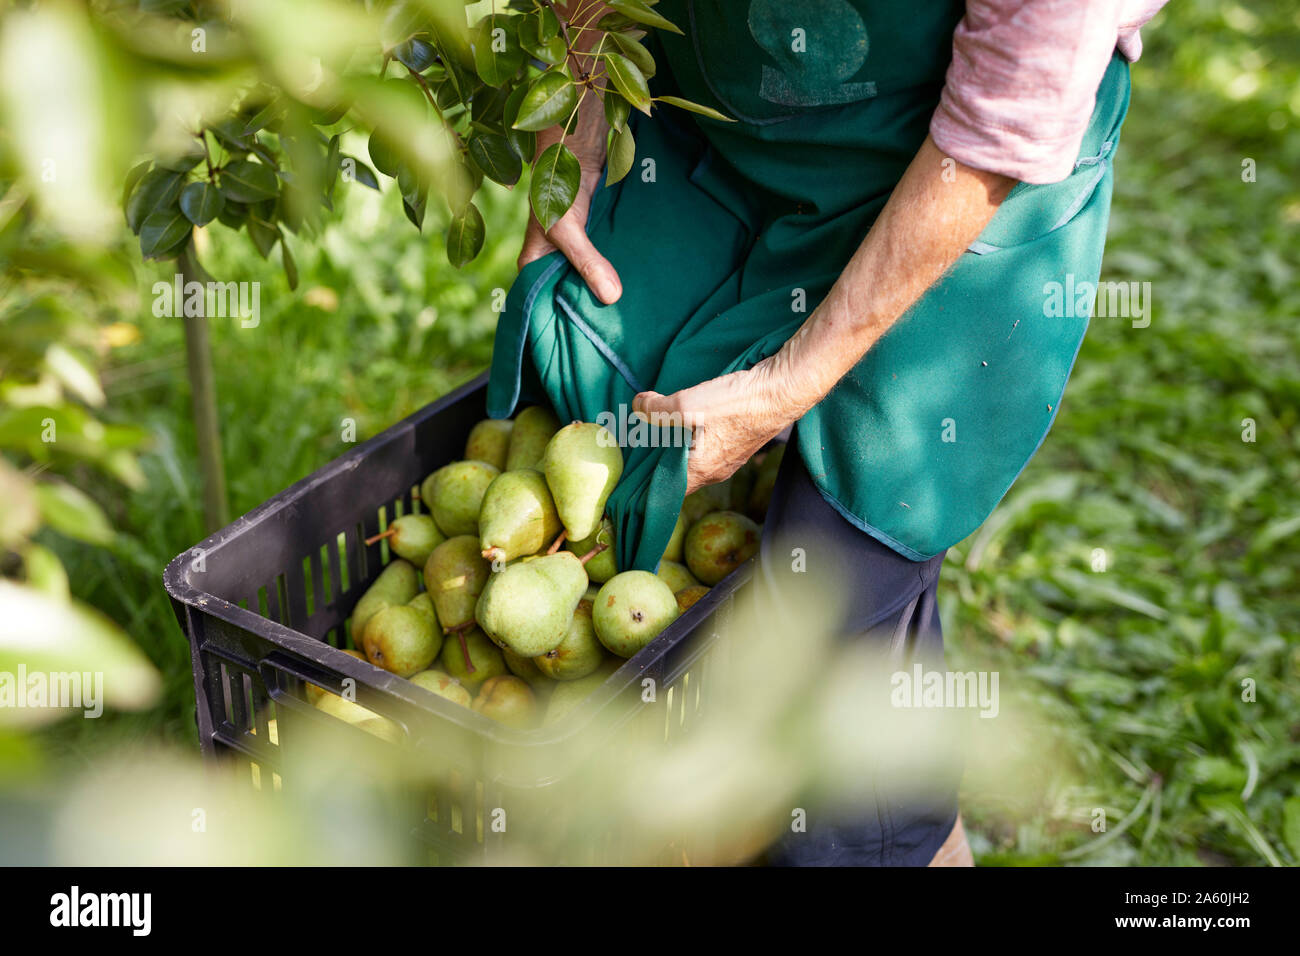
{"points": [[664, 411], [601, 278]]}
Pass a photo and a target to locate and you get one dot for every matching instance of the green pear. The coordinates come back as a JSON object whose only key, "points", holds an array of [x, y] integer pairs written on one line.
{"points": [[740, 485], [527, 670], [485, 658], [444, 685], [687, 597], [591, 592], [454, 495], [422, 602], [583, 464], [676, 576], [579, 654], [674, 550], [518, 516], [454, 577], [533, 428], [315, 693], [396, 584], [602, 566], [489, 441], [402, 639], [412, 537], [528, 606], [719, 543], [362, 718], [630, 611], [507, 700], [569, 694], [703, 500], [764, 480]]}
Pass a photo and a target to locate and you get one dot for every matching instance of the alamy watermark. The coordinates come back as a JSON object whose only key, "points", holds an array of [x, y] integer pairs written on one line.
{"points": [[940, 690], [213, 300], [62, 690], [1105, 299]]}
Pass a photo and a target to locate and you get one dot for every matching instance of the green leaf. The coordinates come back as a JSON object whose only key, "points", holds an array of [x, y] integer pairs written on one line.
{"points": [[556, 177], [627, 79], [497, 58], [201, 203], [233, 215], [156, 190], [536, 37], [1291, 824], [247, 181], [523, 142], [290, 266], [635, 52], [494, 155], [416, 55], [617, 110], [620, 154], [708, 111], [639, 12], [73, 513], [361, 173], [133, 179], [264, 234], [230, 133], [162, 232], [549, 101], [268, 115], [465, 235], [383, 155]]}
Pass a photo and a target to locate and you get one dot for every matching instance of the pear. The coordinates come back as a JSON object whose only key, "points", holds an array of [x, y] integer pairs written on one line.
{"points": [[402, 639], [444, 685], [363, 718], [507, 700], [674, 550], [703, 500], [570, 694], [412, 537], [525, 669], [454, 577], [485, 658], [518, 516], [630, 611], [764, 480], [687, 597], [528, 606], [602, 566], [454, 495], [489, 441], [396, 584], [583, 464], [315, 693], [422, 602], [719, 543], [740, 485], [533, 428], [579, 654], [676, 576]]}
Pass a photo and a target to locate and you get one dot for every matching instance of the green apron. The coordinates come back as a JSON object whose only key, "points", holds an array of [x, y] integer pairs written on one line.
{"points": [[727, 235]]}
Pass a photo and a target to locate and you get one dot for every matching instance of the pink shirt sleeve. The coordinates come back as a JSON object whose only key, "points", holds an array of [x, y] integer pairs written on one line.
{"points": [[1023, 81]]}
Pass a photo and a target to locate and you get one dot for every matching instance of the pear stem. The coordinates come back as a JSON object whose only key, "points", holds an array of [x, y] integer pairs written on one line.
{"points": [[490, 554], [383, 534], [555, 545], [593, 552], [464, 649]]}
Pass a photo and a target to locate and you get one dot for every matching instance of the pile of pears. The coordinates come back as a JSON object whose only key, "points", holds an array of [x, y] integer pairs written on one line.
{"points": [[504, 595]]}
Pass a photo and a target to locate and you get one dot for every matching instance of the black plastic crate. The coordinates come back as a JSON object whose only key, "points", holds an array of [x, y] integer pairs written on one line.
{"points": [[265, 603]]}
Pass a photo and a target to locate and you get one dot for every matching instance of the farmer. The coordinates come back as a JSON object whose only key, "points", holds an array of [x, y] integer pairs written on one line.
{"points": [[864, 252]]}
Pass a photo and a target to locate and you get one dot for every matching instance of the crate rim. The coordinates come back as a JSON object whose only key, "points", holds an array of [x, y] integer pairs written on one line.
{"points": [[183, 592]]}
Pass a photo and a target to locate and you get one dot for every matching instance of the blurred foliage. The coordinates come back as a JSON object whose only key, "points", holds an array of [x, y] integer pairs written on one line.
{"points": [[1131, 676]]}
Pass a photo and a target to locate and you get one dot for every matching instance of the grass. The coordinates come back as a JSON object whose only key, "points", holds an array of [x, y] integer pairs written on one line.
{"points": [[1137, 671]]}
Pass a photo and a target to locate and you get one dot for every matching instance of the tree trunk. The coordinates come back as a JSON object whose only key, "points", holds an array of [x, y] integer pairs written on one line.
{"points": [[203, 393]]}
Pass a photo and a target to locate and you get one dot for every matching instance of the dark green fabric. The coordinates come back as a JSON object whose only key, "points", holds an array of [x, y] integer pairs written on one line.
{"points": [[714, 237]]}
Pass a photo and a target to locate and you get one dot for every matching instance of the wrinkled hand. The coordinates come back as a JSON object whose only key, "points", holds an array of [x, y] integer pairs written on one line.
{"points": [[731, 417], [569, 235]]}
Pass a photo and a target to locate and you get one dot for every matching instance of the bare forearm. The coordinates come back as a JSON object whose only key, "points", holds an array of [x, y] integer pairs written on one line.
{"points": [[932, 216]]}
